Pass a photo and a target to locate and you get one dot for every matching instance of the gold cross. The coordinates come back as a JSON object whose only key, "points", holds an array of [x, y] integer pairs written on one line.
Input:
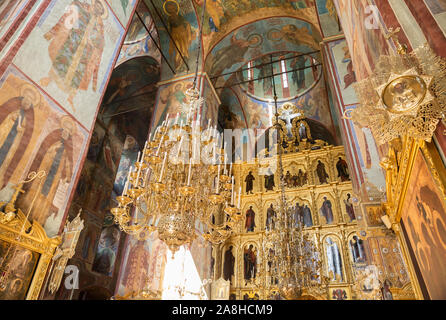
{"points": [[393, 34]]}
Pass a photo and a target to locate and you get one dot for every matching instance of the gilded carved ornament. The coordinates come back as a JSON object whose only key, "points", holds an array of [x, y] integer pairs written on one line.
{"points": [[406, 95]]}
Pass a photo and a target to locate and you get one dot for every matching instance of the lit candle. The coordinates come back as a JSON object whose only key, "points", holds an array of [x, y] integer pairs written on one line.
{"points": [[159, 147], [162, 168], [126, 186], [218, 179], [232, 191], [190, 171], [177, 118], [179, 147], [128, 178], [230, 168]]}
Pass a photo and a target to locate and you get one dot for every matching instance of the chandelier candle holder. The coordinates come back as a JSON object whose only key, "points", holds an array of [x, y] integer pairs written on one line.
{"points": [[179, 186]]}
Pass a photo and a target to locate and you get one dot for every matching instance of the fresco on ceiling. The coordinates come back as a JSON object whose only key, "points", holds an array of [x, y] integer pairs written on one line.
{"points": [[225, 16], [142, 266], [36, 135], [181, 22], [132, 85], [257, 39], [123, 9], [366, 43], [138, 42], [289, 84], [74, 63], [328, 17], [360, 142], [259, 113]]}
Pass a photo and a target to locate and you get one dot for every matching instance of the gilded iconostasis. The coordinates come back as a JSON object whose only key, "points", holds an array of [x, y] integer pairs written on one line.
{"points": [[83, 83]]}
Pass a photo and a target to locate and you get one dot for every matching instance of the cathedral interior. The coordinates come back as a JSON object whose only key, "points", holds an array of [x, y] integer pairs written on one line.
{"points": [[222, 150]]}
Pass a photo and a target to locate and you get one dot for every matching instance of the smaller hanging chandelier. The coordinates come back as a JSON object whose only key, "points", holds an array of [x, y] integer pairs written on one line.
{"points": [[293, 260]]}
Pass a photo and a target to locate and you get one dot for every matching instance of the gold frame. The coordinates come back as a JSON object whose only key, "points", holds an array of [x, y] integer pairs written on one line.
{"points": [[399, 167], [37, 241]]}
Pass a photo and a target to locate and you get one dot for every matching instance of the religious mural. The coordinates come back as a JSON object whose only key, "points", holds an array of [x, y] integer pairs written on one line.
{"points": [[225, 16], [37, 136], [138, 42], [424, 218], [367, 41], [271, 35], [143, 266], [74, 75], [362, 145], [328, 18]]}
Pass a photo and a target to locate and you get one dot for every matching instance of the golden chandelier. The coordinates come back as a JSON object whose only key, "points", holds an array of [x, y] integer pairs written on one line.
{"points": [[293, 259], [181, 185]]}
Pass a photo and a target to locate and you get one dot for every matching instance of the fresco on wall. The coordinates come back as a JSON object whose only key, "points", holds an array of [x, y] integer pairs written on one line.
{"points": [[181, 22], [328, 17], [74, 63], [366, 44], [123, 9], [128, 158], [360, 141], [143, 266], [171, 96], [345, 75], [438, 10], [212, 102], [424, 217], [37, 135], [107, 249], [230, 113]]}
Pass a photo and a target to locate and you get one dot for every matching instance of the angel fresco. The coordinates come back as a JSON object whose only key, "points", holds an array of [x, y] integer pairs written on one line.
{"points": [[76, 53], [181, 32], [231, 54], [215, 10]]}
